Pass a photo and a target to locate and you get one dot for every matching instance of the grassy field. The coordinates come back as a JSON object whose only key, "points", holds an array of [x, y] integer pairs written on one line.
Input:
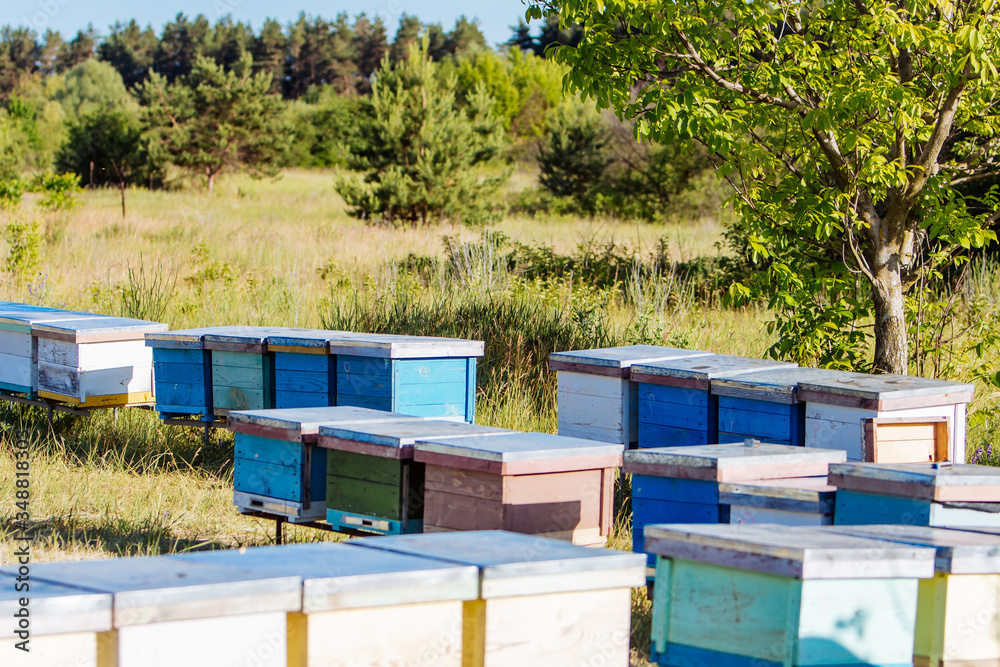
{"points": [[286, 253]]}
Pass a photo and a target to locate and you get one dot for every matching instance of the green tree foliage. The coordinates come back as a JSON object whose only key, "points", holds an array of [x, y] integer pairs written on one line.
{"points": [[89, 86], [182, 43], [129, 49], [19, 56], [844, 128], [212, 120], [14, 143], [324, 126], [572, 158], [107, 147], [419, 150]]}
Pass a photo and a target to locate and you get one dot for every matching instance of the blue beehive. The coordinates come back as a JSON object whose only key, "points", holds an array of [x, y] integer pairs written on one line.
{"points": [[413, 375], [764, 405], [916, 494], [676, 406], [277, 468], [682, 484], [305, 373]]}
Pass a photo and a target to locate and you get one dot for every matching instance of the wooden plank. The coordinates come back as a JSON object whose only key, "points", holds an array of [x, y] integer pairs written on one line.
{"points": [[162, 356], [554, 502], [177, 373], [579, 414], [422, 635], [371, 402], [313, 363], [656, 435], [16, 370], [182, 394], [79, 649], [690, 398], [95, 356], [461, 512], [364, 497], [298, 399], [970, 620], [429, 371], [365, 468], [449, 411], [739, 514], [206, 641], [766, 426], [251, 360], [675, 489], [430, 394], [15, 343], [280, 452], [464, 483], [234, 398], [268, 479], [945, 483], [555, 629], [302, 381], [238, 377], [586, 369], [592, 385]]}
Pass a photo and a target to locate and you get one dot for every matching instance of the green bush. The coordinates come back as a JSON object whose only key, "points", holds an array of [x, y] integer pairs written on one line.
{"points": [[58, 191], [11, 191], [25, 240]]}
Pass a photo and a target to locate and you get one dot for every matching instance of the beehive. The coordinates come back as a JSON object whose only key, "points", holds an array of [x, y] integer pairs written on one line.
{"points": [[597, 398], [364, 606], [797, 501], [764, 405], [676, 405], [412, 375], [277, 468], [242, 369], [535, 483], [96, 361], [305, 373], [918, 494], [957, 612], [61, 625], [841, 408], [782, 596], [19, 349], [684, 484], [372, 481], [541, 603], [182, 372], [169, 612]]}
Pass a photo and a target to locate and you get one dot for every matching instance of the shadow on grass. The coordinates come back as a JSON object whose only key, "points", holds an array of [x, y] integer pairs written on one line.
{"points": [[149, 536]]}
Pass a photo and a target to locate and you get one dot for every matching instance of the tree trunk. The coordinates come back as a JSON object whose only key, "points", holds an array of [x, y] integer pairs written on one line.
{"points": [[121, 188], [211, 182], [891, 354]]}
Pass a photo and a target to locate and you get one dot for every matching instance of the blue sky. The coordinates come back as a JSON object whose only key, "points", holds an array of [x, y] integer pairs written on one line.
{"points": [[68, 16]]}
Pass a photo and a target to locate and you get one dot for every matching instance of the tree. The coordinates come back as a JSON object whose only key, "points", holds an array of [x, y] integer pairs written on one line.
{"points": [[212, 120], [90, 85], [181, 44], [129, 49], [106, 147], [419, 150], [80, 49], [844, 128]]}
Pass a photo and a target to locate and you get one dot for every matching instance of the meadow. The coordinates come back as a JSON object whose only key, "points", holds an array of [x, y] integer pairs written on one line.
{"points": [[286, 253]]}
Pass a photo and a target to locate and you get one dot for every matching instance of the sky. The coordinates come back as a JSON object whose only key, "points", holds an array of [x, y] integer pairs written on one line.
{"points": [[68, 16]]}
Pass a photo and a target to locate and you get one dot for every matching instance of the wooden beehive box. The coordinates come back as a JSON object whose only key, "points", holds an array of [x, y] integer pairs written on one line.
{"points": [[19, 349], [797, 501], [535, 483], [182, 372], [412, 375], [365, 606], [676, 405], [372, 481], [957, 610], [305, 373], [96, 361], [918, 494], [168, 611], [541, 603], [788, 595], [597, 398], [242, 369], [685, 484], [764, 405], [63, 626], [838, 408], [277, 468]]}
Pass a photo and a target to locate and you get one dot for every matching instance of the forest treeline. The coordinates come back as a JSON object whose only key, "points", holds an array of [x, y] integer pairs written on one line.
{"points": [[139, 108]]}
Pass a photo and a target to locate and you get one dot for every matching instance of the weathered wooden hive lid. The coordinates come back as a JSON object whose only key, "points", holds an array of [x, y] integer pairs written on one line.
{"points": [[44, 315], [512, 564], [942, 482], [155, 589], [884, 391], [96, 329], [296, 423], [519, 453], [396, 439], [736, 462], [616, 361], [345, 576], [809, 494], [958, 552], [307, 338], [698, 372], [779, 385], [241, 339], [193, 339], [791, 551], [53, 609], [391, 346]]}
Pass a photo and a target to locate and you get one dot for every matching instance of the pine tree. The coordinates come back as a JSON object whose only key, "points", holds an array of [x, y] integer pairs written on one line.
{"points": [[129, 49], [419, 150]]}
